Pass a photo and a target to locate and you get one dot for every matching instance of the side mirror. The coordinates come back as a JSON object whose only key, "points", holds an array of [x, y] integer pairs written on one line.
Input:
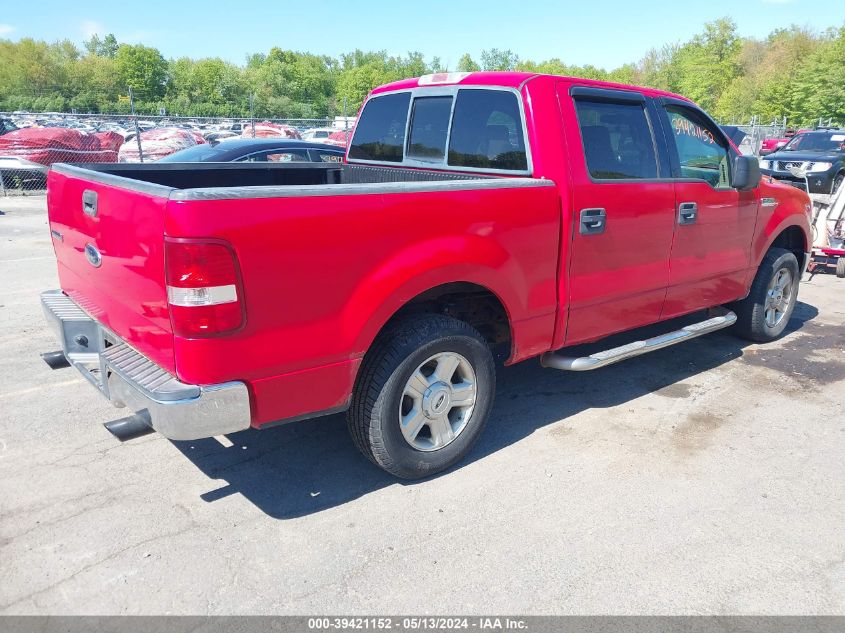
{"points": [[746, 173]]}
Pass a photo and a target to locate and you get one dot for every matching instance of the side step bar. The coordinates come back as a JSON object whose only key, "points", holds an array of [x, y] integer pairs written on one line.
{"points": [[555, 360]]}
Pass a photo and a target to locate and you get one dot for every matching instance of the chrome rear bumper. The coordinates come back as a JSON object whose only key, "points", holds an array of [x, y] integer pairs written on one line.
{"points": [[177, 410]]}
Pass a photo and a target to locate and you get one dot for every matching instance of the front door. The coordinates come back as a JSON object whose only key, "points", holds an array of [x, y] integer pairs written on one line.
{"points": [[622, 214], [711, 253]]}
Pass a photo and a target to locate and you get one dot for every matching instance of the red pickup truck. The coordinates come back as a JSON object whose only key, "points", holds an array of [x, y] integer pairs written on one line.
{"points": [[476, 215]]}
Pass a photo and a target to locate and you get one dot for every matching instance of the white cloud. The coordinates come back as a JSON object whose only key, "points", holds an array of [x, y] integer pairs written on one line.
{"points": [[5, 29], [92, 27]]}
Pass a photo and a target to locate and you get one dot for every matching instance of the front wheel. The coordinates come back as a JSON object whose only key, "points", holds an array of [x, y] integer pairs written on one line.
{"points": [[764, 314], [837, 182], [423, 395]]}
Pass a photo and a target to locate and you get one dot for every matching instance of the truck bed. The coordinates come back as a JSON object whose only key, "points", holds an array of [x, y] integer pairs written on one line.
{"points": [[154, 177]]}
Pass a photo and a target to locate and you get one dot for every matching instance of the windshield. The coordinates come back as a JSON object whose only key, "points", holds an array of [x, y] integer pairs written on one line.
{"points": [[198, 153], [817, 142]]}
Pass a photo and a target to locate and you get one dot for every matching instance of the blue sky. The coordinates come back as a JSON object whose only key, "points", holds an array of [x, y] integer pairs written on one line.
{"points": [[605, 33]]}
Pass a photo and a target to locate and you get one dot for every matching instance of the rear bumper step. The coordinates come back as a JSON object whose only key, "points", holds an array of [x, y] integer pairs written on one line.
{"points": [[555, 360], [127, 378]]}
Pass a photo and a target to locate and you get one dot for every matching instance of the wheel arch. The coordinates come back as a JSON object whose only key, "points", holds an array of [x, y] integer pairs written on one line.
{"points": [[794, 239], [453, 268]]}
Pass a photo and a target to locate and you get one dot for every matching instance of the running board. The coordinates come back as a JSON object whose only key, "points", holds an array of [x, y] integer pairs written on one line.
{"points": [[555, 360]]}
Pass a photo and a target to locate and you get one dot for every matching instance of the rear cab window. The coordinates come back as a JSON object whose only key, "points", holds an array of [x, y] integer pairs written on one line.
{"points": [[380, 133], [456, 128]]}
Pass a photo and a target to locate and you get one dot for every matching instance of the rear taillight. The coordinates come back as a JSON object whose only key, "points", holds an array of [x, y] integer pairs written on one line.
{"points": [[204, 288]]}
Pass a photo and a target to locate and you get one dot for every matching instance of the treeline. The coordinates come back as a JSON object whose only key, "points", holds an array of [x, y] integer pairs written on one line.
{"points": [[794, 72]]}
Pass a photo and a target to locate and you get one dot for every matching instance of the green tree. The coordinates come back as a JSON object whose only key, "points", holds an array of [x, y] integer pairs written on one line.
{"points": [[706, 65], [819, 87], [107, 47], [143, 69], [496, 59], [467, 65]]}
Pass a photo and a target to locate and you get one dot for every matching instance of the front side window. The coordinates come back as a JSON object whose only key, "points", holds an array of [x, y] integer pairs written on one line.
{"points": [[429, 128], [617, 140], [487, 131], [380, 132], [702, 152]]}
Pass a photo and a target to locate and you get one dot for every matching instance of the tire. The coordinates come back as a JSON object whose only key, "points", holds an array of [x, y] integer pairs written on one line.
{"points": [[390, 401], [837, 182], [756, 320], [840, 268]]}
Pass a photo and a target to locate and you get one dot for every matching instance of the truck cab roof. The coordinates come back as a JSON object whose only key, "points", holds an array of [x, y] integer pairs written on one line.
{"points": [[508, 79]]}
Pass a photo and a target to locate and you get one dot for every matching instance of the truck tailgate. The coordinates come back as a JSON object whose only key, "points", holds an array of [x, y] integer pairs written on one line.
{"points": [[109, 243]]}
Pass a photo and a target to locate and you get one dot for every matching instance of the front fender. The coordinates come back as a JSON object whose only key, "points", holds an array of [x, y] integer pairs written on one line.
{"points": [[792, 207]]}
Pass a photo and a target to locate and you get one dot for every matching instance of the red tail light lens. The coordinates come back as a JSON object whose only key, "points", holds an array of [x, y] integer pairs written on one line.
{"points": [[204, 288]]}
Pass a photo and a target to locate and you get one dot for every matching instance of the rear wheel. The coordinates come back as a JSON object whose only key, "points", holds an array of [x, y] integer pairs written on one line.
{"points": [[423, 395], [764, 314], [840, 267]]}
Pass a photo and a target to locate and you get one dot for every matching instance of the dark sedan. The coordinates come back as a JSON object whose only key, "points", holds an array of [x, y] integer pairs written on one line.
{"points": [[279, 150], [814, 159]]}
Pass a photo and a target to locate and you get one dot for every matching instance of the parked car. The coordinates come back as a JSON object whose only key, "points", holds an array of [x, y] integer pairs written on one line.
{"points": [[814, 159], [269, 129], [158, 143], [258, 150], [7, 125], [769, 145], [212, 297], [339, 138], [317, 133]]}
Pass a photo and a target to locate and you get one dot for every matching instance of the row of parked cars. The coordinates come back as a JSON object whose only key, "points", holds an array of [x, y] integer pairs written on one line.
{"points": [[33, 143]]}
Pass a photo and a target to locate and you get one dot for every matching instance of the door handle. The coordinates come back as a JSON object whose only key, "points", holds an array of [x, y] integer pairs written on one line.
{"points": [[687, 213], [89, 203], [593, 221]]}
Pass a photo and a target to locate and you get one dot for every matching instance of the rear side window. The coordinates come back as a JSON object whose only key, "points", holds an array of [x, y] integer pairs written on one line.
{"points": [[275, 156], [328, 157], [487, 131], [617, 140], [429, 128], [380, 133]]}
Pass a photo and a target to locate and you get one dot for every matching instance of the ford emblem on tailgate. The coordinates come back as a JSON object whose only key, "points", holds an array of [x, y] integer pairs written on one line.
{"points": [[93, 255]]}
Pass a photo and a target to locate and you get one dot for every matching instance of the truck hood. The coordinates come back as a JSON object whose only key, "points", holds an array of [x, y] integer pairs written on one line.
{"points": [[794, 157]]}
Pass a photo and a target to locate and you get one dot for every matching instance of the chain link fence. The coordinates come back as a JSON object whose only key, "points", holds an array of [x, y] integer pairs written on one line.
{"points": [[758, 131], [30, 142]]}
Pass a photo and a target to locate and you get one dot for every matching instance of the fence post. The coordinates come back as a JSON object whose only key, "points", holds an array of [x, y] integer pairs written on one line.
{"points": [[252, 112], [2, 184], [137, 129]]}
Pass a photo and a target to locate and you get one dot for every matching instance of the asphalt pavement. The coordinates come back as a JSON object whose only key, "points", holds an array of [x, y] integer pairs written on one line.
{"points": [[707, 478]]}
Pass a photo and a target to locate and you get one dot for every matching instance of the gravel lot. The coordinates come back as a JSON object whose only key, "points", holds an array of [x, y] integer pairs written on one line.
{"points": [[705, 478]]}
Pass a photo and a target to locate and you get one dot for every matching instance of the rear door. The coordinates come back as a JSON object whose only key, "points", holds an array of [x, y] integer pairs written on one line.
{"points": [[622, 212], [715, 223]]}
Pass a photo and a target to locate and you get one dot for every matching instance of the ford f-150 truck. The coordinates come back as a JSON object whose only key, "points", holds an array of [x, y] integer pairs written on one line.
{"points": [[476, 214]]}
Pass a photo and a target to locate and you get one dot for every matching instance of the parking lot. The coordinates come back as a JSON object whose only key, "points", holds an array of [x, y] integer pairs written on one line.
{"points": [[704, 478]]}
